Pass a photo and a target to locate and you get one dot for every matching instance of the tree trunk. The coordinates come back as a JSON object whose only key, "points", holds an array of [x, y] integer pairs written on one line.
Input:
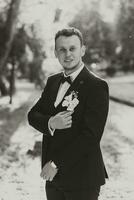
{"points": [[10, 29], [3, 86], [12, 82]]}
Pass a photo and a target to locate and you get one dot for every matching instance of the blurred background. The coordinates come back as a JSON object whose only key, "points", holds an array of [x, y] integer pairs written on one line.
{"points": [[27, 30]]}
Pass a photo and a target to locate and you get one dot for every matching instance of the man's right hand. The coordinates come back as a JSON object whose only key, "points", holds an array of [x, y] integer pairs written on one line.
{"points": [[62, 120]]}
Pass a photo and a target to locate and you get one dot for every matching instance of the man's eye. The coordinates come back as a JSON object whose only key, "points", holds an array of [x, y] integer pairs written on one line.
{"points": [[61, 50], [72, 48]]}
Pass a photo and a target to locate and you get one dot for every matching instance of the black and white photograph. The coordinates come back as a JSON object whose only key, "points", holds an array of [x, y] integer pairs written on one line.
{"points": [[66, 100]]}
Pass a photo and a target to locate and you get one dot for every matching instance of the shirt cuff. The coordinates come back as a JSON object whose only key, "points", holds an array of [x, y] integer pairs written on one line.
{"points": [[50, 129]]}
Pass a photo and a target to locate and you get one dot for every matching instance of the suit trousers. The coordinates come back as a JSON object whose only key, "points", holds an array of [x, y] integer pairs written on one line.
{"points": [[55, 193]]}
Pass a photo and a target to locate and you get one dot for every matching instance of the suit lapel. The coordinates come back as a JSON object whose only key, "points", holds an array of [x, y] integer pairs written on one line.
{"points": [[55, 88]]}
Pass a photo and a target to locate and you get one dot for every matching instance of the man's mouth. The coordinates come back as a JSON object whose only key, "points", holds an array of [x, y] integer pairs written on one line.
{"points": [[68, 60]]}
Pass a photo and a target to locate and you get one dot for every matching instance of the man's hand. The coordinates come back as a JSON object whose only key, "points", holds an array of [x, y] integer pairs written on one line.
{"points": [[62, 120], [48, 172]]}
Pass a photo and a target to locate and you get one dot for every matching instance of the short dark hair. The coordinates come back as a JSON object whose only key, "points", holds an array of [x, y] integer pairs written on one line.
{"points": [[69, 32]]}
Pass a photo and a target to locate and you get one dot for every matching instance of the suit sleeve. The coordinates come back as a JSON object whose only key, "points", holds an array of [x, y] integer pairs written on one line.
{"points": [[93, 123], [37, 116]]}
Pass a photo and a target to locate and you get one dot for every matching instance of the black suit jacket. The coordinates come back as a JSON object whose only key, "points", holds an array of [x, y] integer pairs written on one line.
{"points": [[76, 150]]}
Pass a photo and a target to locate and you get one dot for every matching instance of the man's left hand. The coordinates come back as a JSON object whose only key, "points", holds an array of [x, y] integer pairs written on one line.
{"points": [[48, 172]]}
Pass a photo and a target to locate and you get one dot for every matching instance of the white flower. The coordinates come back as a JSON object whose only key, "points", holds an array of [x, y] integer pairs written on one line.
{"points": [[65, 103], [71, 101], [69, 97], [75, 101]]}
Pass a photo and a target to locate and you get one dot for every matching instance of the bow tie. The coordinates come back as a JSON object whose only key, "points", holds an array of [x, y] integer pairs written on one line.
{"points": [[66, 79]]}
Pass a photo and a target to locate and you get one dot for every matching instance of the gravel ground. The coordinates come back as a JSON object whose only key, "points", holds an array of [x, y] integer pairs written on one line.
{"points": [[20, 172]]}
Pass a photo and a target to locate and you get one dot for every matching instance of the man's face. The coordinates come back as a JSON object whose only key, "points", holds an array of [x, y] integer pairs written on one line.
{"points": [[69, 52]]}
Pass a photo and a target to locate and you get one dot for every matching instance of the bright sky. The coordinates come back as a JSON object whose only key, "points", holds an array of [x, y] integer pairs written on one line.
{"points": [[45, 10]]}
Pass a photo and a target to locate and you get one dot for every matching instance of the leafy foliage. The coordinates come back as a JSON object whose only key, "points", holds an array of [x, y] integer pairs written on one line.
{"points": [[125, 32], [99, 37]]}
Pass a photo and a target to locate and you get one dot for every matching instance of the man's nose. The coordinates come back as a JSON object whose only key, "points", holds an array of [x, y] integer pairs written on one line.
{"points": [[68, 53]]}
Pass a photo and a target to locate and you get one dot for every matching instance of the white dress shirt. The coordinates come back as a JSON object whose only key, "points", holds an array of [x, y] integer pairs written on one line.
{"points": [[65, 86]]}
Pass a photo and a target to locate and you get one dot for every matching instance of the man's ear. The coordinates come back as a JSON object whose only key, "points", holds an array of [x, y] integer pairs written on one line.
{"points": [[55, 52], [83, 50]]}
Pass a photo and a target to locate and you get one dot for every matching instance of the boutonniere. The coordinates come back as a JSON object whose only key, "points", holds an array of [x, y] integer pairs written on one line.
{"points": [[71, 101]]}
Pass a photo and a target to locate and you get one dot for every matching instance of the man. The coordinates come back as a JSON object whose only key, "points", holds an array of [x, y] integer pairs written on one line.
{"points": [[71, 114]]}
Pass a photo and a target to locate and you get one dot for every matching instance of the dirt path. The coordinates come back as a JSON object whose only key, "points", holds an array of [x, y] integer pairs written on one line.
{"points": [[19, 172]]}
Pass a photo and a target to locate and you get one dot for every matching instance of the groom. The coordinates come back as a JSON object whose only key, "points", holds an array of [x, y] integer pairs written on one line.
{"points": [[71, 113]]}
